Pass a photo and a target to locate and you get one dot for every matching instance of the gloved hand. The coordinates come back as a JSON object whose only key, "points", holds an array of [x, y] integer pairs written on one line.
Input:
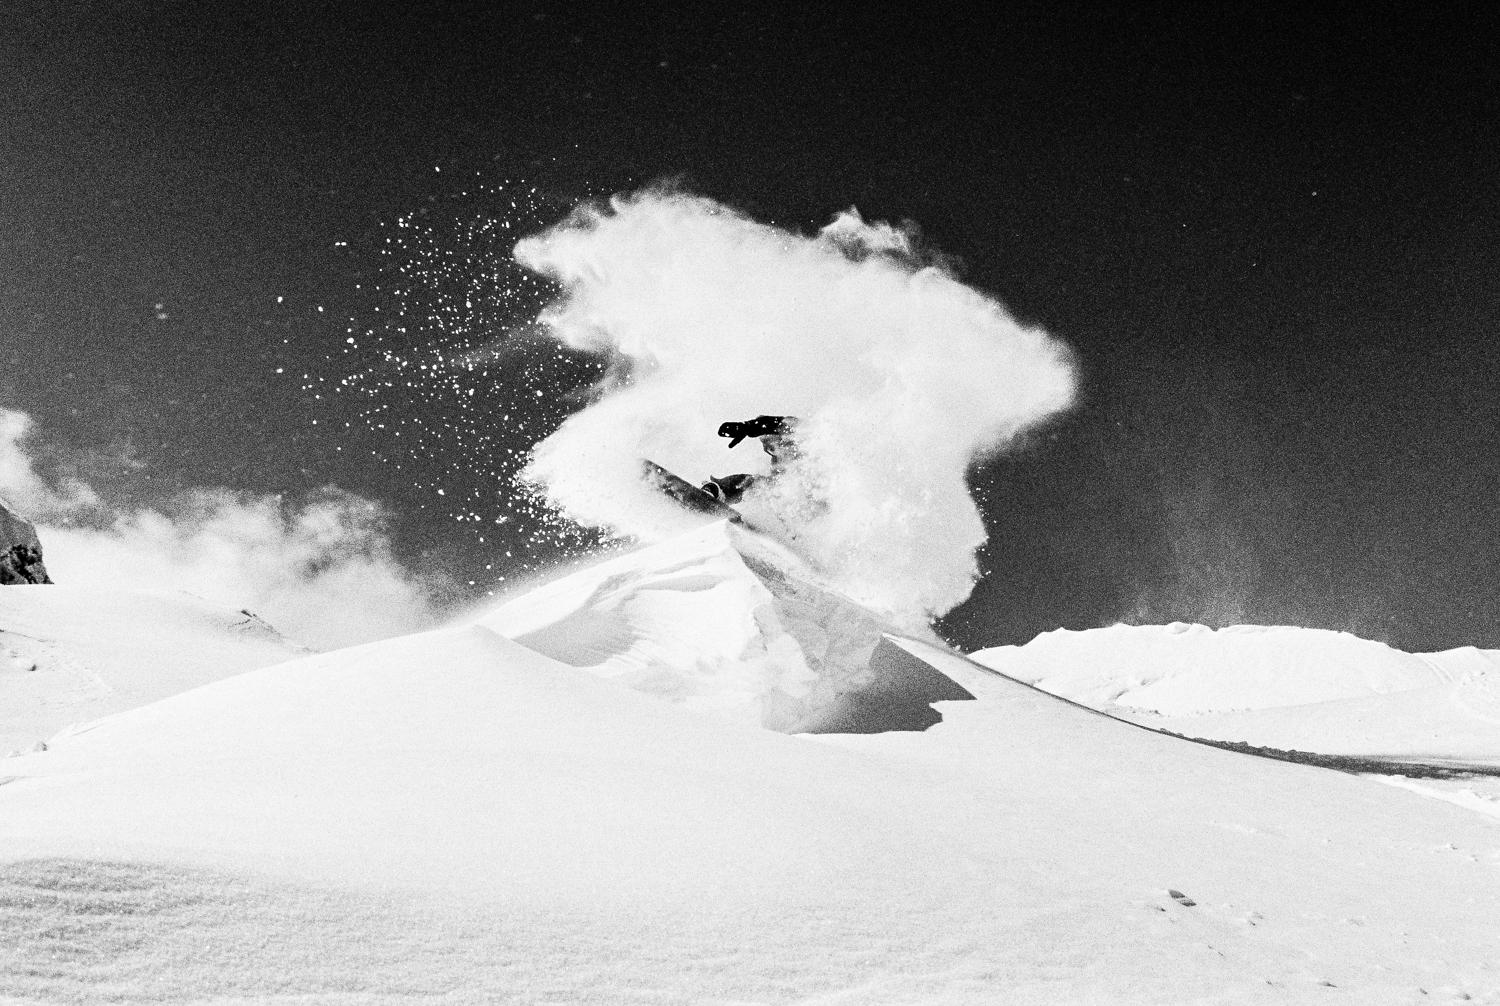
{"points": [[760, 426]]}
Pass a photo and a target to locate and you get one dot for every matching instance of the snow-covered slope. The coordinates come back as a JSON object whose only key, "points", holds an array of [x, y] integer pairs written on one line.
{"points": [[1455, 724], [1180, 669], [71, 654], [1276, 686], [451, 817], [455, 817], [725, 620]]}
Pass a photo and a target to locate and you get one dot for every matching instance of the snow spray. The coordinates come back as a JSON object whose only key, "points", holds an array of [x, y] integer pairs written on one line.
{"points": [[900, 377]]}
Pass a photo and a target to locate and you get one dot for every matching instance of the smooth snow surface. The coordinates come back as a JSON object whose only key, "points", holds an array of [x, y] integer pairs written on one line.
{"points": [[71, 654], [1282, 687], [453, 817], [1181, 669]]}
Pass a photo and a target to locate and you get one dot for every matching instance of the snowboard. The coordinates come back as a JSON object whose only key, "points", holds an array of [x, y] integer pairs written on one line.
{"points": [[689, 495]]}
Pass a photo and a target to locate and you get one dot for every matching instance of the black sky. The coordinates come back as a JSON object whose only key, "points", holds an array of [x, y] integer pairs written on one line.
{"points": [[1270, 237]]}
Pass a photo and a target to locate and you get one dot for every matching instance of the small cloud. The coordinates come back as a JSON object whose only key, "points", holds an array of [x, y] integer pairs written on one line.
{"points": [[322, 570], [23, 482]]}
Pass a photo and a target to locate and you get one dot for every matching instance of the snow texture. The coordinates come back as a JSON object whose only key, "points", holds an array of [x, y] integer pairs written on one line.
{"points": [[717, 619], [72, 654], [454, 817]]}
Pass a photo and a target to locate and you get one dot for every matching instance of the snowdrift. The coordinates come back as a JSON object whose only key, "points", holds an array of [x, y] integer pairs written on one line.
{"points": [[726, 620], [71, 654], [452, 817], [1275, 686], [456, 817]]}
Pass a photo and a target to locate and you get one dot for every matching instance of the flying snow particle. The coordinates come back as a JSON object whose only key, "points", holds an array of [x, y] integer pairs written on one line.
{"points": [[901, 376], [447, 348]]}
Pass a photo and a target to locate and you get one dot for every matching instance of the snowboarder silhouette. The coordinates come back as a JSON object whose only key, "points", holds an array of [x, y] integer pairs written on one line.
{"points": [[776, 439]]}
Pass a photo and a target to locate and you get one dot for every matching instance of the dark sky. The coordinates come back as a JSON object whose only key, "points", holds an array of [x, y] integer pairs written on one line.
{"points": [[1271, 238]]}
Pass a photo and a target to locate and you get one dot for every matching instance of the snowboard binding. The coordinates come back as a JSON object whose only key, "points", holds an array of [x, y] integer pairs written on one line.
{"points": [[775, 434], [728, 488], [720, 492]]}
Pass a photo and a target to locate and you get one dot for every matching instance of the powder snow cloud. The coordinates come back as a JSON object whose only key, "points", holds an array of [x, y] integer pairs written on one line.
{"points": [[901, 375], [21, 481], [321, 570]]}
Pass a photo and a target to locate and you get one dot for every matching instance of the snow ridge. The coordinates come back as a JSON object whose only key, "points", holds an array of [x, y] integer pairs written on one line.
{"points": [[718, 619]]}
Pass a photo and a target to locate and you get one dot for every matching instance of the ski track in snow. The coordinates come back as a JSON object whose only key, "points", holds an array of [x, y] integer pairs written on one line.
{"points": [[1466, 793]]}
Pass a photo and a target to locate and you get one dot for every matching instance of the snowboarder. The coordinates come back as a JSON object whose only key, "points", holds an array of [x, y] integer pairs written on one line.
{"points": [[776, 439]]}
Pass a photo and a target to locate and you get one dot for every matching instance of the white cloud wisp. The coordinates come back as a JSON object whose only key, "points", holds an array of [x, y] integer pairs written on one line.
{"points": [[322, 571]]}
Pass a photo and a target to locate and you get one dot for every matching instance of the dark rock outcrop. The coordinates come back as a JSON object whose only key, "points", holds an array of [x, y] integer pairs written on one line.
{"points": [[20, 550]]}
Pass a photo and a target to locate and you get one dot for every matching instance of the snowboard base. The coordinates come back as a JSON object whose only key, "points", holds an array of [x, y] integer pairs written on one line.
{"points": [[689, 495]]}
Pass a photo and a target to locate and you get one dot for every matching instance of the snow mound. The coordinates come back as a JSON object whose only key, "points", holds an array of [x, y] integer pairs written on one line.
{"points": [[70, 654], [459, 743], [1185, 670], [452, 818], [724, 620]]}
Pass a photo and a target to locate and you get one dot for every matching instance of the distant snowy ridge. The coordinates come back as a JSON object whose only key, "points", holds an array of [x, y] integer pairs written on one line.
{"points": [[1183, 670], [1275, 686], [722, 619]]}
